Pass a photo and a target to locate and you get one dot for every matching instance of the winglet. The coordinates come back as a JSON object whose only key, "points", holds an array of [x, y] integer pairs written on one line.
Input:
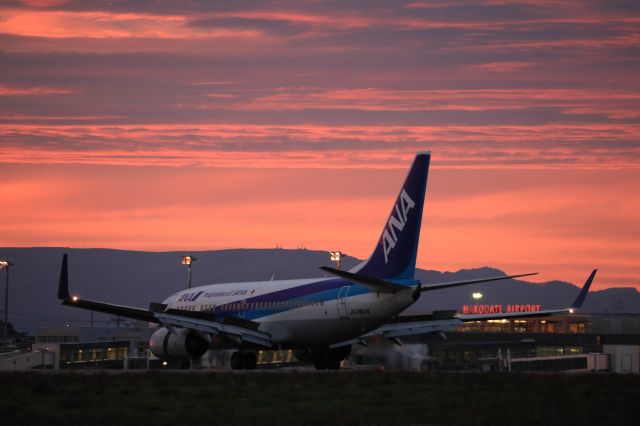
{"points": [[63, 285], [583, 293]]}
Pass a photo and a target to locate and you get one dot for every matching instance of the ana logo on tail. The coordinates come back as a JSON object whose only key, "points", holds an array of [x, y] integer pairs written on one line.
{"points": [[389, 237]]}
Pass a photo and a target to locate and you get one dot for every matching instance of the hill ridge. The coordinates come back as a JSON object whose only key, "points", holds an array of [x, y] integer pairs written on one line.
{"points": [[136, 278]]}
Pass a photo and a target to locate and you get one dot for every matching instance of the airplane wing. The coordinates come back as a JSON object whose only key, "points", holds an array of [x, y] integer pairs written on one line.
{"points": [[577, 304], [237, 329], [402, 327], [423, 324]]}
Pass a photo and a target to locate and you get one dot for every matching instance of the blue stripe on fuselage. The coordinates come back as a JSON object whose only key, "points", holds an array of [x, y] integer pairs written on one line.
{"points": [[321, 291]]}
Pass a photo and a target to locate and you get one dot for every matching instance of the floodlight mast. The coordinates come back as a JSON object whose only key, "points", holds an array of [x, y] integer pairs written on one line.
{"points": [[336, 256], [188, 260], [5, 264]]}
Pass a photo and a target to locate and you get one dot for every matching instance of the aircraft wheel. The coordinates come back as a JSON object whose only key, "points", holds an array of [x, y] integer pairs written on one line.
{"points": [[237, 360], [250, 360]]}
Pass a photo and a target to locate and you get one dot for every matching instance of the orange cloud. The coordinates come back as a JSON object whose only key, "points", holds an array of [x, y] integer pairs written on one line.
{"points": [[561, 223], [111, 25]]}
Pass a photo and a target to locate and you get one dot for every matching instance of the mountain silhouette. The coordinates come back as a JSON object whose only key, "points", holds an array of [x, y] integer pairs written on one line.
{"points": [[136, 278]]}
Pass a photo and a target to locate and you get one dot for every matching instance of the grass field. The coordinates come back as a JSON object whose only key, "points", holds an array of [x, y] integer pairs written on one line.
{"points": [[184, 398]]}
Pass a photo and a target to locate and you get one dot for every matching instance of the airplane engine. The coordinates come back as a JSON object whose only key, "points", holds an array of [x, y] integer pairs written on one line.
{"points": [[183, 344]]}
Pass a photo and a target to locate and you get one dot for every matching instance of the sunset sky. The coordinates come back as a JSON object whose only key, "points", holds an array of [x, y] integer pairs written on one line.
{"points": [[156, 125]]}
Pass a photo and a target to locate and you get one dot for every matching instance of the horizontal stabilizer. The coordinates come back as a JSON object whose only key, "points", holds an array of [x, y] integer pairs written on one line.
{"points": [[440, 286], [376, 284]]}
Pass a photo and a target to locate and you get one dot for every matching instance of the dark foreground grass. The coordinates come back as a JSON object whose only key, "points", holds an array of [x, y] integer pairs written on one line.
{"points": [[372, 398]]}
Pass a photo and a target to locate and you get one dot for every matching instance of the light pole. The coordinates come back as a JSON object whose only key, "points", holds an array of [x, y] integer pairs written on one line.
{"points": [[477, 296], [336, 256], [188, 260], [5, 264]]}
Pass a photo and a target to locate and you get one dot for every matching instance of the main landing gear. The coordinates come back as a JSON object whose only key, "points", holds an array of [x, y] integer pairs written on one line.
{"points": [[327, 363], [244, 360], [324, 358]]}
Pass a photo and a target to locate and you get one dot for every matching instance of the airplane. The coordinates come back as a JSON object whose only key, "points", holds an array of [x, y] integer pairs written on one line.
{"points": [[320, 319]]}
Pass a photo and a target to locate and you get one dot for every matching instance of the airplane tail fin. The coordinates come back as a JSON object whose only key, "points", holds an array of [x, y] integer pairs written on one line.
{"points": [[395, 254]]}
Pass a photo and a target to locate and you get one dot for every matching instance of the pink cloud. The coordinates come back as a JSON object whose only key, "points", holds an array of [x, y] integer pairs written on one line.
{"points": [[57, 118], [502, 67], [589, 43], [610, 102], [317, 146], [33, 91]]}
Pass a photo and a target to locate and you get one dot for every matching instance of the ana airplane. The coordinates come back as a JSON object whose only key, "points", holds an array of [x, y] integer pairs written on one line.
{"points": [[319, 318]]}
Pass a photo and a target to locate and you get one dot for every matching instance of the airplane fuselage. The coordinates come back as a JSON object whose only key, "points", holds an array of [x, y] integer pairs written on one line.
{"points": [[298, 313]]}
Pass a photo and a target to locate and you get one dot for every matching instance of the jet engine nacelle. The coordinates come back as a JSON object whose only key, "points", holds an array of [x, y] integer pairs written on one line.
{"points": [[180, 344]]}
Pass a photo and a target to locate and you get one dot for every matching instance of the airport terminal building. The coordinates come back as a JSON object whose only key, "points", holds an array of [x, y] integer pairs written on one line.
{"points": [[124, 346], [578, 342], [571, 342]]}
